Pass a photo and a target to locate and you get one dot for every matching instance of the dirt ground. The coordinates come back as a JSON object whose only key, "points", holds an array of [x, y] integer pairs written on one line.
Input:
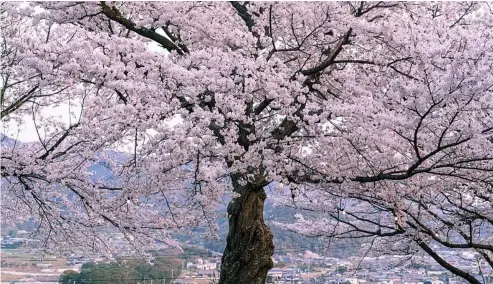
{"points": [[14, 263]]}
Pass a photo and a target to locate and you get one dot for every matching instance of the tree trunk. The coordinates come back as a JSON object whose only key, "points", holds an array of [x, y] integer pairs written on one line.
{"points": [[249, 247]]}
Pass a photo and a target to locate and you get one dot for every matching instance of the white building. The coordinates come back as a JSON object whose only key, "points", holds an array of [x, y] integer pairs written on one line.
{"points": [[207, 266]]}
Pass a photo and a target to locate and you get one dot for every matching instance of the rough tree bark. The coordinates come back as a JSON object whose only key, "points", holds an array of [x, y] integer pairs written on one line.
{"points": [[249, 248]]}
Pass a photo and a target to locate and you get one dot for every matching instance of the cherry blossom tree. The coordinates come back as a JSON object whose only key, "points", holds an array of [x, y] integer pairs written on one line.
{"points": [[378, 115]]}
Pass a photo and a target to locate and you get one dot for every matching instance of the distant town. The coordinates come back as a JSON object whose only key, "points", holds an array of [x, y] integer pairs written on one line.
{"points": [[20, 265]]}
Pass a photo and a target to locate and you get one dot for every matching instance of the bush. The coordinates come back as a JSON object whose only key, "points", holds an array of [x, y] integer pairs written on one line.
{"points": [[134, 271]]}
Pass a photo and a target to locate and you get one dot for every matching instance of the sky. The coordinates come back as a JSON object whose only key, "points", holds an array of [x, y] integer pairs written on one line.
{"points": [[25, 129]]}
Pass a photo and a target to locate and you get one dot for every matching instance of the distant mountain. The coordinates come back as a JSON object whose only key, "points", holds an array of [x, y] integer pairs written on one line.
{"points": [[7, 141], [285, 242]]}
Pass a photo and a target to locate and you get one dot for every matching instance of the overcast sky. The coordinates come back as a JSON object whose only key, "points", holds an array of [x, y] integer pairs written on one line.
{"points": [[25, 131]]}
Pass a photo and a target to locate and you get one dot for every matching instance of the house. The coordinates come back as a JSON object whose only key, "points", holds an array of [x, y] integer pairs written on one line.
{"points": [[207, 266]]}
